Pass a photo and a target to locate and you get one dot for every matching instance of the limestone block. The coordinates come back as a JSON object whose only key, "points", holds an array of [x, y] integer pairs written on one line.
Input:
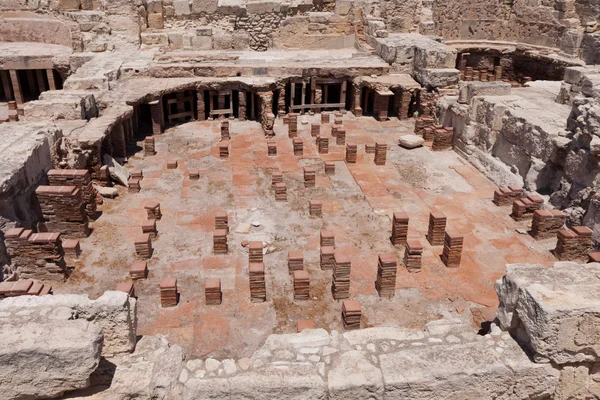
{"points": [[202, 42], [437, 78], [555, 311], [232, 7], [368, 335], [410, 141], [432, 54], [306, 338], [468, 90], [474, 370], [263, 7], [352, 376], [343, 7], [182, 7], [69, 5], [175, 40], [154, 6], [155, 21], [204, 31], [573, 383], [574, 75], [222, 42], [204, 6], [42, 360], [155, 39], [241, 40]]}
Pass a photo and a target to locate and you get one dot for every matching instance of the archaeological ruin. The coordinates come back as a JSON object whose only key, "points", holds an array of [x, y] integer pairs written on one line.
{"points": [[299, 199]]}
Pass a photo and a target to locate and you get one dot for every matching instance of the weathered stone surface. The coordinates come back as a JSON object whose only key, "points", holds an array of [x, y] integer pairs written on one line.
{"points": [[352, 376], [468, 90], [41, 360]]}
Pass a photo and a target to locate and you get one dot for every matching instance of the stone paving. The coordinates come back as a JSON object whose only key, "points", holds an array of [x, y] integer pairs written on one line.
{"points": [[358, 202]]}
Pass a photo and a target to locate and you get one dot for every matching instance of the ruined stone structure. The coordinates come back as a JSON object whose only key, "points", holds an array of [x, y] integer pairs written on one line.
{"points": [[299, 199]]}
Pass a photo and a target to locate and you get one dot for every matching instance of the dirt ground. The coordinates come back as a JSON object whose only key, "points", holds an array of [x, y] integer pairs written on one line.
{"points": [[358, 202]]}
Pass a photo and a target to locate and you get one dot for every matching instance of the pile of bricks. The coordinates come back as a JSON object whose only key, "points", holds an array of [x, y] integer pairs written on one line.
{"points": [[327, 238], [225, 130], [325, 118], [172, 163], [280, 192], [149, 146], [421, 123], [327, 257], [298, 146], [255, 252], [35, 255], [309, 177], [293, 125], [315, 208], [429, 133], [524, 208], [271, 148], [63, 210], [340, 286], [442, 139], [276, 177], [380, 153], [153, 210], [546, 223], [168, 292], [386, 275], [573, 244], [437, 228], [413, 255], [71, 247], [351, 152], [329, 168], [351, 314], [334, 130], [221, 220], [138, 270], [25, 287], [399, 228], [212, 291], [301, 285], [223, 151], [149, 227], [506, 196], [81, 179], [370, 148], [194, 174], [220, 241], [258, 288], [295, 261], [133, 185], [143, 245], [453, 244], [315, 129], [323, 144], [340, 137]]}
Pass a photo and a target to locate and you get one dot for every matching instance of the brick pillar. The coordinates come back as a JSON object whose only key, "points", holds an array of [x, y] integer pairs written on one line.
{"points": [[380, 106], [358, 111], [117, 136], [281, 99], [63, 210], [453, 244], [5, 78], [16, 86], [399, 228], [242, 106], [201, 105], [50, 76], [40, 80], [318, 97], [157, 117], [267, 118]]}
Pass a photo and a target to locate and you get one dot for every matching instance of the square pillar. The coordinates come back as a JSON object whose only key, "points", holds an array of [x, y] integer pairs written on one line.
{"points": [[16, 86], [50, 76], [157, 117], [201, 105], [241, 105], [5, 79], [381, 104], [40, 80]]}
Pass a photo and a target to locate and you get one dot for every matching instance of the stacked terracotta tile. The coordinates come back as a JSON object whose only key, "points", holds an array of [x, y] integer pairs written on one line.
{"points": [[212, 291], [442, 139], [340, 286], [399, 228], [149, 227], [220, 241], [133, 185], [370, 148], [71, 247], [380, 153], [153, 209], [506, 196], [221, 220], [325, 118], [280, 192], [298, 146], [546, 224], [575, 243], [315, 208], [79, 178], [340, 138], [338, 120], [327, 257], [468, 74], [437, 228], [334, 130], [404, 105], [225, 130], [271, 148], [351, 314], [421, 123], [351, 152], [172, 163], [194, 174], [295, 261], [223, 151], [138, 269], [413, 255], [168, 292], [293, 125], [35, 255], [149, 146], [255, 252], [524, 208], [63, 210], [323, 143], [428, 133], [276, 177], [305, 324], [137, 174], [301, 285], [13, 112], [327, 238], [315, 129], [594, 257], [258, 289], [386, 275], [126, 287], [25, 287], [329, 168], [453, 244], [143, 245], [309, 177]]}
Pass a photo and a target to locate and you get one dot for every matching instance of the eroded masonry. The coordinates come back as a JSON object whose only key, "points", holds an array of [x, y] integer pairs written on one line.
{"points": [[233, 199]]}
